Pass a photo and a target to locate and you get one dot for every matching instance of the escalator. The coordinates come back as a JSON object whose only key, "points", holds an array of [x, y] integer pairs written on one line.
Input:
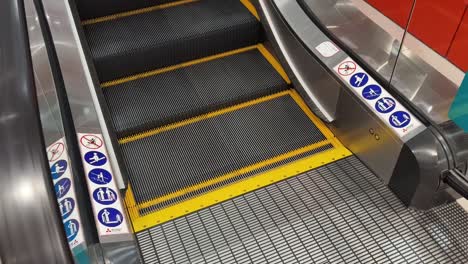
{"points": [[198, 104], [226, 159]]}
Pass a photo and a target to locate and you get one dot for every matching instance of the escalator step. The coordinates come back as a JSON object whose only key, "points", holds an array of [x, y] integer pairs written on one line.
{"points": [[156, 100], [89, 9], [174, 160], [146, 41]]}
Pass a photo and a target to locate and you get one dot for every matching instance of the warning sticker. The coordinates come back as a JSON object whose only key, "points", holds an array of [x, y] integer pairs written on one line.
{"points": [[385, 106], [346, 68], [104, 194], [54, 152], [91, 141], [327, 49], [65, 192]]}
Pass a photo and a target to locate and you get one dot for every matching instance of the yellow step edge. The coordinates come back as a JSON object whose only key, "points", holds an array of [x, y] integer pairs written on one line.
{"points": [[152, 132], [272, 60], [131, 204], [266, 54], [251, 8], [239, 188], [135, 12], [232, 174], [175, 67]]}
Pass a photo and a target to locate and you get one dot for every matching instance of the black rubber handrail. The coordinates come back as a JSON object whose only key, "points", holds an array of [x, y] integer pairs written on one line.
{"points": [[455, 179]]}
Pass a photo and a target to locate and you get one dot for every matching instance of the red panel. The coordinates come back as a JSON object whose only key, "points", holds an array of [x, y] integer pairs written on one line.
{"points": [[396, 10], [435, 22], [458, 53]]}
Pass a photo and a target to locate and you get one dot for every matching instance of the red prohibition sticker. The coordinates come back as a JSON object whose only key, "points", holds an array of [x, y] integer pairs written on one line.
{"points": [[91, 141], [347, 68], [55, 151]]}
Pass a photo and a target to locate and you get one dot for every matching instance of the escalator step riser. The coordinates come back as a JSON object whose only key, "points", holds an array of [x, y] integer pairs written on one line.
{"points": [[139, 43], [169, 97]]}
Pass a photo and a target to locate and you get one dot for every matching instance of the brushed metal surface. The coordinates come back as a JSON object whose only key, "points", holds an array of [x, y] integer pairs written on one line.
{"points": [[404, 69], [52, 119], [366, 136], [31, 228], [84, 103], [354, 124], [360, 34], [310, 78]]}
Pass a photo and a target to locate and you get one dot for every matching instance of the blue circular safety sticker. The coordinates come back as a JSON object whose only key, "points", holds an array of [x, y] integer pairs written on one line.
{"points": [[359, 79], [58, 169], [400, 119], [110, 217], [372, 92], [105, 195], [71, 229], [95, 158], [66, 207], [100, 176], [385, 105], [62, 187]]}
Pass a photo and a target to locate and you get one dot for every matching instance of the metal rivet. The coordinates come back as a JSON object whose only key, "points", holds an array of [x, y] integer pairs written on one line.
{"points": [[371, 131], [377, 137]]}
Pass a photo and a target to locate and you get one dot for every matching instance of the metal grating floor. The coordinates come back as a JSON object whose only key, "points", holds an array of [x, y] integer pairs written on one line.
{"points": [[339, 213]]}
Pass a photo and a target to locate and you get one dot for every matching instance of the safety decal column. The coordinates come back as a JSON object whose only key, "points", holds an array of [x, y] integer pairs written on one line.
{"points": [[385, 106], [104, 193], [65, 192]]}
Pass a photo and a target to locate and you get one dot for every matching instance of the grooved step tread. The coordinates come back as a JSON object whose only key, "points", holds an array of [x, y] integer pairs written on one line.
{"points": [[172, 96], [89, 9], [138, 43], [197, 152]]}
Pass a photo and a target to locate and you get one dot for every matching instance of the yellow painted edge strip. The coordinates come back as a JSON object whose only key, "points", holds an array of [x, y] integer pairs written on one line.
{"points": [[274, 63], [202, 117], [135, 12], [230, 191], [175, 67], [131, 203], [251, 8], [232, 174]]}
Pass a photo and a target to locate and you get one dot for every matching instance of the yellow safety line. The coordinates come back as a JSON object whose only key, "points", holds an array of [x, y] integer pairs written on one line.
{"points": [[135, 12], [239, 188], [131, 203], [201, 117], [251, 8], [232, 174], [271, 59], [177, 66]]}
